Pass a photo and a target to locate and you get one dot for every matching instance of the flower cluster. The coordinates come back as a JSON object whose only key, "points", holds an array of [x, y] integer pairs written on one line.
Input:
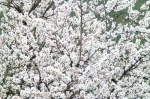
{"points": [[72, 49]]}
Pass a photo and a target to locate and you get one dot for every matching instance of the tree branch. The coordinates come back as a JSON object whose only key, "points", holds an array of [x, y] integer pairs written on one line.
{"points": [[133, 66], [81, 32], [34, 6], [50, 5]]}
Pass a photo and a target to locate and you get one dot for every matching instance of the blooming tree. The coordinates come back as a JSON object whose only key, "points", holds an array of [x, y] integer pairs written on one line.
{"points": [[94, 49]]}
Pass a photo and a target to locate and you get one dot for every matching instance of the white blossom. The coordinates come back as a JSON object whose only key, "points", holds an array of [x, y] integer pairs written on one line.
{"points": [[74, 49]]}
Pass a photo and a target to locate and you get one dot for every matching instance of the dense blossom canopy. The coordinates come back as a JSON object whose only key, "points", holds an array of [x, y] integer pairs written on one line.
{"points": [[74, 49]]}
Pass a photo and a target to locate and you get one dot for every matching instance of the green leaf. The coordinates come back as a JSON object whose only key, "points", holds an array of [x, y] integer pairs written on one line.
{"points": [[138, 4], [72, 14], [6, 73], [120, 16], [143, 41], [117, 38], [134, 40]]}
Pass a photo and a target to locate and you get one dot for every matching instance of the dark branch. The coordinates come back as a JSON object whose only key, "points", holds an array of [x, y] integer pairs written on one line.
{"points": [[133, 66], [50, 5], [16, 7], [81, 33], [40, 78], [35, 4]]}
